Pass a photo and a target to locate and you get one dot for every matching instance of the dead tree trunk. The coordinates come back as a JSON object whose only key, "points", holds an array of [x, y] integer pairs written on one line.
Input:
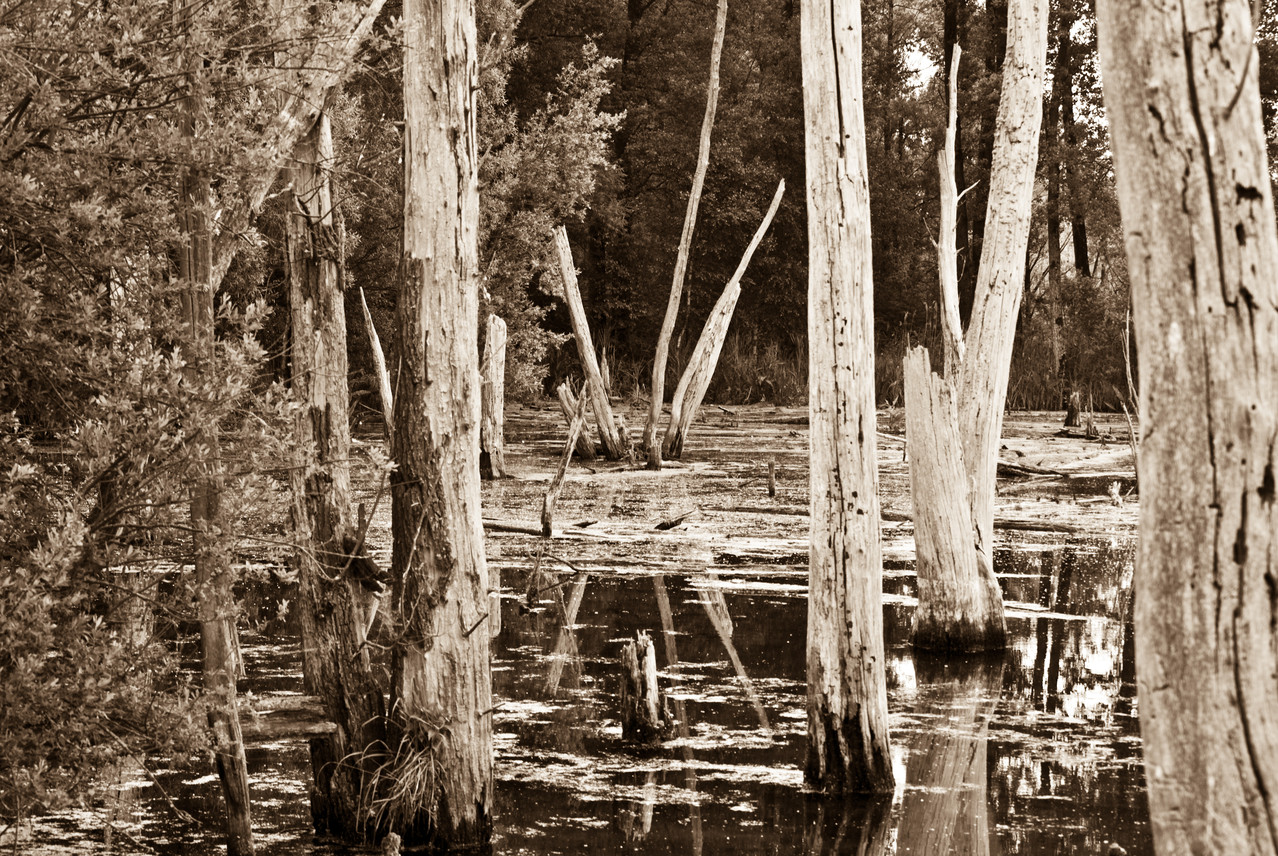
{"points": [[379, 364], [650, 444], [568, 407], [441, 754], [616, 444], [847, 693], [644, 718], [557, 481], [1193, 186], [960, 606], [696, 377], [492, 453], [333, 603]]}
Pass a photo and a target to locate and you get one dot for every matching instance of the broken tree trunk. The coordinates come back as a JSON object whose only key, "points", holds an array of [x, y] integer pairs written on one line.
{"points": [[557, 483], [650, 444], [615, 443], [960, 606], [1194, 190], [947, 243], [644, 719], [379, 363], [214, 577], [568, 406], [492, 372], [847, 691], [705, 356], [442, 694], [333, 603], [958, 417]]}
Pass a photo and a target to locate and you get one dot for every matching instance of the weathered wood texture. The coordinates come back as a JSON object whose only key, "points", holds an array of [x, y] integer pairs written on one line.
{"points": [[847, 694], [1194, 189], [214, 577], [492, 427], [644, 719], [651, 447], [379, 365], [442, 698], [616, 444], [947, 240], [332, 605], [557, 482], [705, 356], [960, 604], [568, 406], [982, 384]]}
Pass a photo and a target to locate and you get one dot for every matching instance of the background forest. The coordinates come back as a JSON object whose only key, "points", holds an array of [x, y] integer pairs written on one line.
{"points": [[588, 116]]}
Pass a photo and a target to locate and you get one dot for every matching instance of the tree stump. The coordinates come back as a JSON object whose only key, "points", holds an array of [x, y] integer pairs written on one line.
{"points": [[644, 717]]}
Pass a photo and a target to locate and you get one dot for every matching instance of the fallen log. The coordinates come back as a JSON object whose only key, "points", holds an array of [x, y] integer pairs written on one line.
{"points": [[266, 719]]}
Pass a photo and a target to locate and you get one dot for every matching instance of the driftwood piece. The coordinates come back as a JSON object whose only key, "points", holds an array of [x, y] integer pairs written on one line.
{"points": [[672, 522], [644, 719], [568, 406], [705, 356], [379, 364], [614, 442], [651, 446], [557, 483], [492, 372]]}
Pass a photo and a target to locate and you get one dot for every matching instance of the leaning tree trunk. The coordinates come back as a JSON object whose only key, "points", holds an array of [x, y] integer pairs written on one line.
{"points": [[960, 605], [332, 604], [214, 578], [650, 443], [442, 771], [1194, 189], [847, 693]]}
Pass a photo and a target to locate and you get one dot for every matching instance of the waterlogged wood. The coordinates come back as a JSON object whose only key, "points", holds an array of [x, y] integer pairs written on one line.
{"points": [[492, 427], [557, 483], [650, 444], [847, 692], [568, 406], [214, 577], [960, 604], [442, 699], [1194, 190], [982, 383], [644, 718], [615, 443], [705, 356], [333, 606], [379, 365]]}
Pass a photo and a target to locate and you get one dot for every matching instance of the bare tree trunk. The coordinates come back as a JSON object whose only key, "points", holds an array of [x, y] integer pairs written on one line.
{"points": [[334, 604], [1065, 63], [568, 407], [442, 702], [492, 453], [946, 245], [650, 444], [379, 364], [1193, 185], [557, 481], [214, 578], [705, 356], [847, 693], [615, 442]]}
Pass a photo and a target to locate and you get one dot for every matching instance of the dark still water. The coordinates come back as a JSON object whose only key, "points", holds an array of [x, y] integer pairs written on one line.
{"points": [[1033, 752]]}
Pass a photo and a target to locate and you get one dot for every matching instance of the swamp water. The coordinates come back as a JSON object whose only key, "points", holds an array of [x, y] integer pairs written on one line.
{"points": [[1035, 751]]}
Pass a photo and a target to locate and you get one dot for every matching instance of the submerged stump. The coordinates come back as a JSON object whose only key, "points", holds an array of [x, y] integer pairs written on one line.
{"points": [[644, 717]]}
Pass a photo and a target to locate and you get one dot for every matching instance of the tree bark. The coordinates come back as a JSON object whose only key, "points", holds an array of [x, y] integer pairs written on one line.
{"points": [[650, 444], [1193, 186], [946, 245], [214, 578], [442, 701], [492, 453], [847, 693], [333, 604], [705, 356], [616, 444]]}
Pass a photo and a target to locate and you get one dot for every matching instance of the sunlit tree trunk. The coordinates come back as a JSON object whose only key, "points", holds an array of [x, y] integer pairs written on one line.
{"points": [[1182, 98], [847, 694], [333, 603], [215, 601], [442, 703]]}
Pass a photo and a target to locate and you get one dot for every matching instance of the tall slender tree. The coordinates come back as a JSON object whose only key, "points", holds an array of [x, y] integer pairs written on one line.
{"points": [[847, 692], [1182, 99]]}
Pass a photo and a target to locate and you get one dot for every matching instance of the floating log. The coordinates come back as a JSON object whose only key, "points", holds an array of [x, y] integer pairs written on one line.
{"points": [[270, 718], [672, 522], [492, 372], [644, 719]]}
